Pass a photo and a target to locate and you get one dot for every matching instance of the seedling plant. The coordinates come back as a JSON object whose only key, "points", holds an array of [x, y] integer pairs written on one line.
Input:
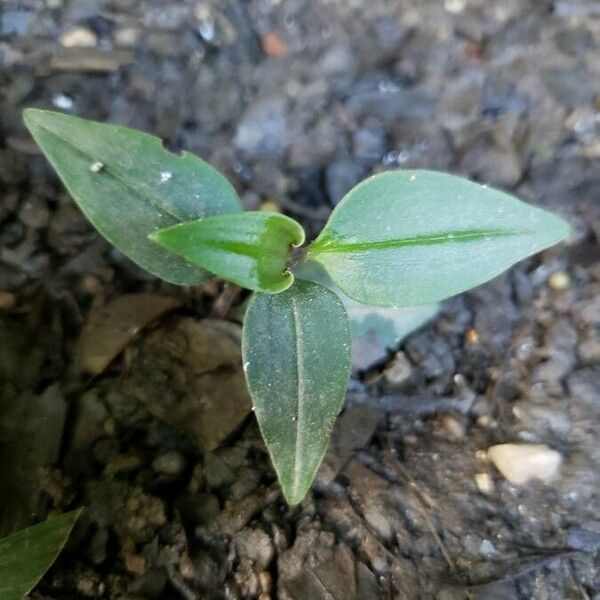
{"points": [[399, 238]]}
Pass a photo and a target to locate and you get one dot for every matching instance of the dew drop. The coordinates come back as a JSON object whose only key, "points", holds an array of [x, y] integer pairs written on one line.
{"points": [[165, 176], [96, 167]]}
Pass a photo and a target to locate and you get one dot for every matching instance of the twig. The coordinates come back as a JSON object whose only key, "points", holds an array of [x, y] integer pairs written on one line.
{"points": [[179, 584]]}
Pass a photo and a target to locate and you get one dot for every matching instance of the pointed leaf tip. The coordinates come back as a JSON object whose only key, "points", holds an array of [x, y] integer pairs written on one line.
{"points": [[27, 554], [128, 186], [296, 354], [404, 238]]}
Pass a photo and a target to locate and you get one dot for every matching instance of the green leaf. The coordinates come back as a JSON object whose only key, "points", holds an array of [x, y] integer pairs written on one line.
{"points": [[128, 186], [375, 329], [403, 238], [26, 555], [296, 352], [251, 249]]}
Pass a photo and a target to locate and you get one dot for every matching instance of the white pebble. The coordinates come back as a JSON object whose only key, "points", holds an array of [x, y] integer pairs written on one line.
{"points": [[521, 463], [62, 101], [485, 484], [78, 37]]}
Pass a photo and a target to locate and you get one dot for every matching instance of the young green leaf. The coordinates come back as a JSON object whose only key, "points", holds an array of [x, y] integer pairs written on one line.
{"points": [[251, 249], [26, 555], [414, 237], [375, 329], [128, 186], [296, 352]]}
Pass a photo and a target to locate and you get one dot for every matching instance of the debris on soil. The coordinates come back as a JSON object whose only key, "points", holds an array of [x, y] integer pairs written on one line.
{"points": [[109, 329], [190, 376], [294, 101], [520, 463]]}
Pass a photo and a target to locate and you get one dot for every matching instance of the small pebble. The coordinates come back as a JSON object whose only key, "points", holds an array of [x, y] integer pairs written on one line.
{"points": [[399, 369], [62, 101], [79, 37], [265, 580], [471, 336], [452, 427], [135, 563], [169, 463], [486, 421], [521, 463], [7, 301], [186, 566], [127, 37], [485, 484], [270, 206], [559, 281], [273, 44]]}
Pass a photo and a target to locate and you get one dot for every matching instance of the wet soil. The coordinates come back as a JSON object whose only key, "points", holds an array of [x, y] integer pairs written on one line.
{"points": [[296, 101]]}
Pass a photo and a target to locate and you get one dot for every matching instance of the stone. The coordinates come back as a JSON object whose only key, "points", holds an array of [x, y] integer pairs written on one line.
{"points": [[391, 105], [79, 37], [585, 537], [169, 463], [369, 141], [399, 370], [261, 132], [207, 396], [584, 385], [522, 463], [15, 22], [485, 483], [341, 176], [256, 545], [338, 60], [495, 166], [559, 281]]}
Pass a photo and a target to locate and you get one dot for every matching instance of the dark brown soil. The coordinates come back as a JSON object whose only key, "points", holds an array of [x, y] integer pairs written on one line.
{"points": [[297, 100]]}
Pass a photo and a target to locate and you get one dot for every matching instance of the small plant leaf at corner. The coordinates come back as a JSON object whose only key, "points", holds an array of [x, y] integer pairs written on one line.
{"points": [[296, 352], [27, 554], [128, 186], [252, 249], [404, 238]]}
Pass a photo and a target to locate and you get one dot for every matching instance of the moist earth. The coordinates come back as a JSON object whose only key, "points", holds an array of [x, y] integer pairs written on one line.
{"points": [[296, 101]]}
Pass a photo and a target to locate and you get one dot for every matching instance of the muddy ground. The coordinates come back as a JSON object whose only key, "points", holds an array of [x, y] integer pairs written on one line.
{"points": [[297, 100]]}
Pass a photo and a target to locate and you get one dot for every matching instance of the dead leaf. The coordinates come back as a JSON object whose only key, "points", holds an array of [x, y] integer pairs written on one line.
{"points": [[110, 328]]}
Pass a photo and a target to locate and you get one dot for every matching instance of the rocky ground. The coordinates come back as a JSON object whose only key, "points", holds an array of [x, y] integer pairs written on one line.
{"points": [[296, 101]]}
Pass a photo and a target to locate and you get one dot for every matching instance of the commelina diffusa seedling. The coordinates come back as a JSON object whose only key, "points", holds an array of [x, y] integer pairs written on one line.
{"points": [[399, 238]]}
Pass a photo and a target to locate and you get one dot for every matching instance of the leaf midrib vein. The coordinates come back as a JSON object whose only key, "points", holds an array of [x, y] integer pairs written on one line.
{"points": [[300, 398], [333, 244]]}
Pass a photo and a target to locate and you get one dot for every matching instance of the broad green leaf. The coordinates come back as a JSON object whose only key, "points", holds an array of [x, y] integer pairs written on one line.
{"points": [[251, 249], [375, 329], [414, 237], [128, 186], [296, 352], [26, 555]]}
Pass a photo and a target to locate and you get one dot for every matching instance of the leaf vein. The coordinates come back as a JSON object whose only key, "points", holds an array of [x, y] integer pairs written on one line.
{"points": [[299, 450], [333, 244]]}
